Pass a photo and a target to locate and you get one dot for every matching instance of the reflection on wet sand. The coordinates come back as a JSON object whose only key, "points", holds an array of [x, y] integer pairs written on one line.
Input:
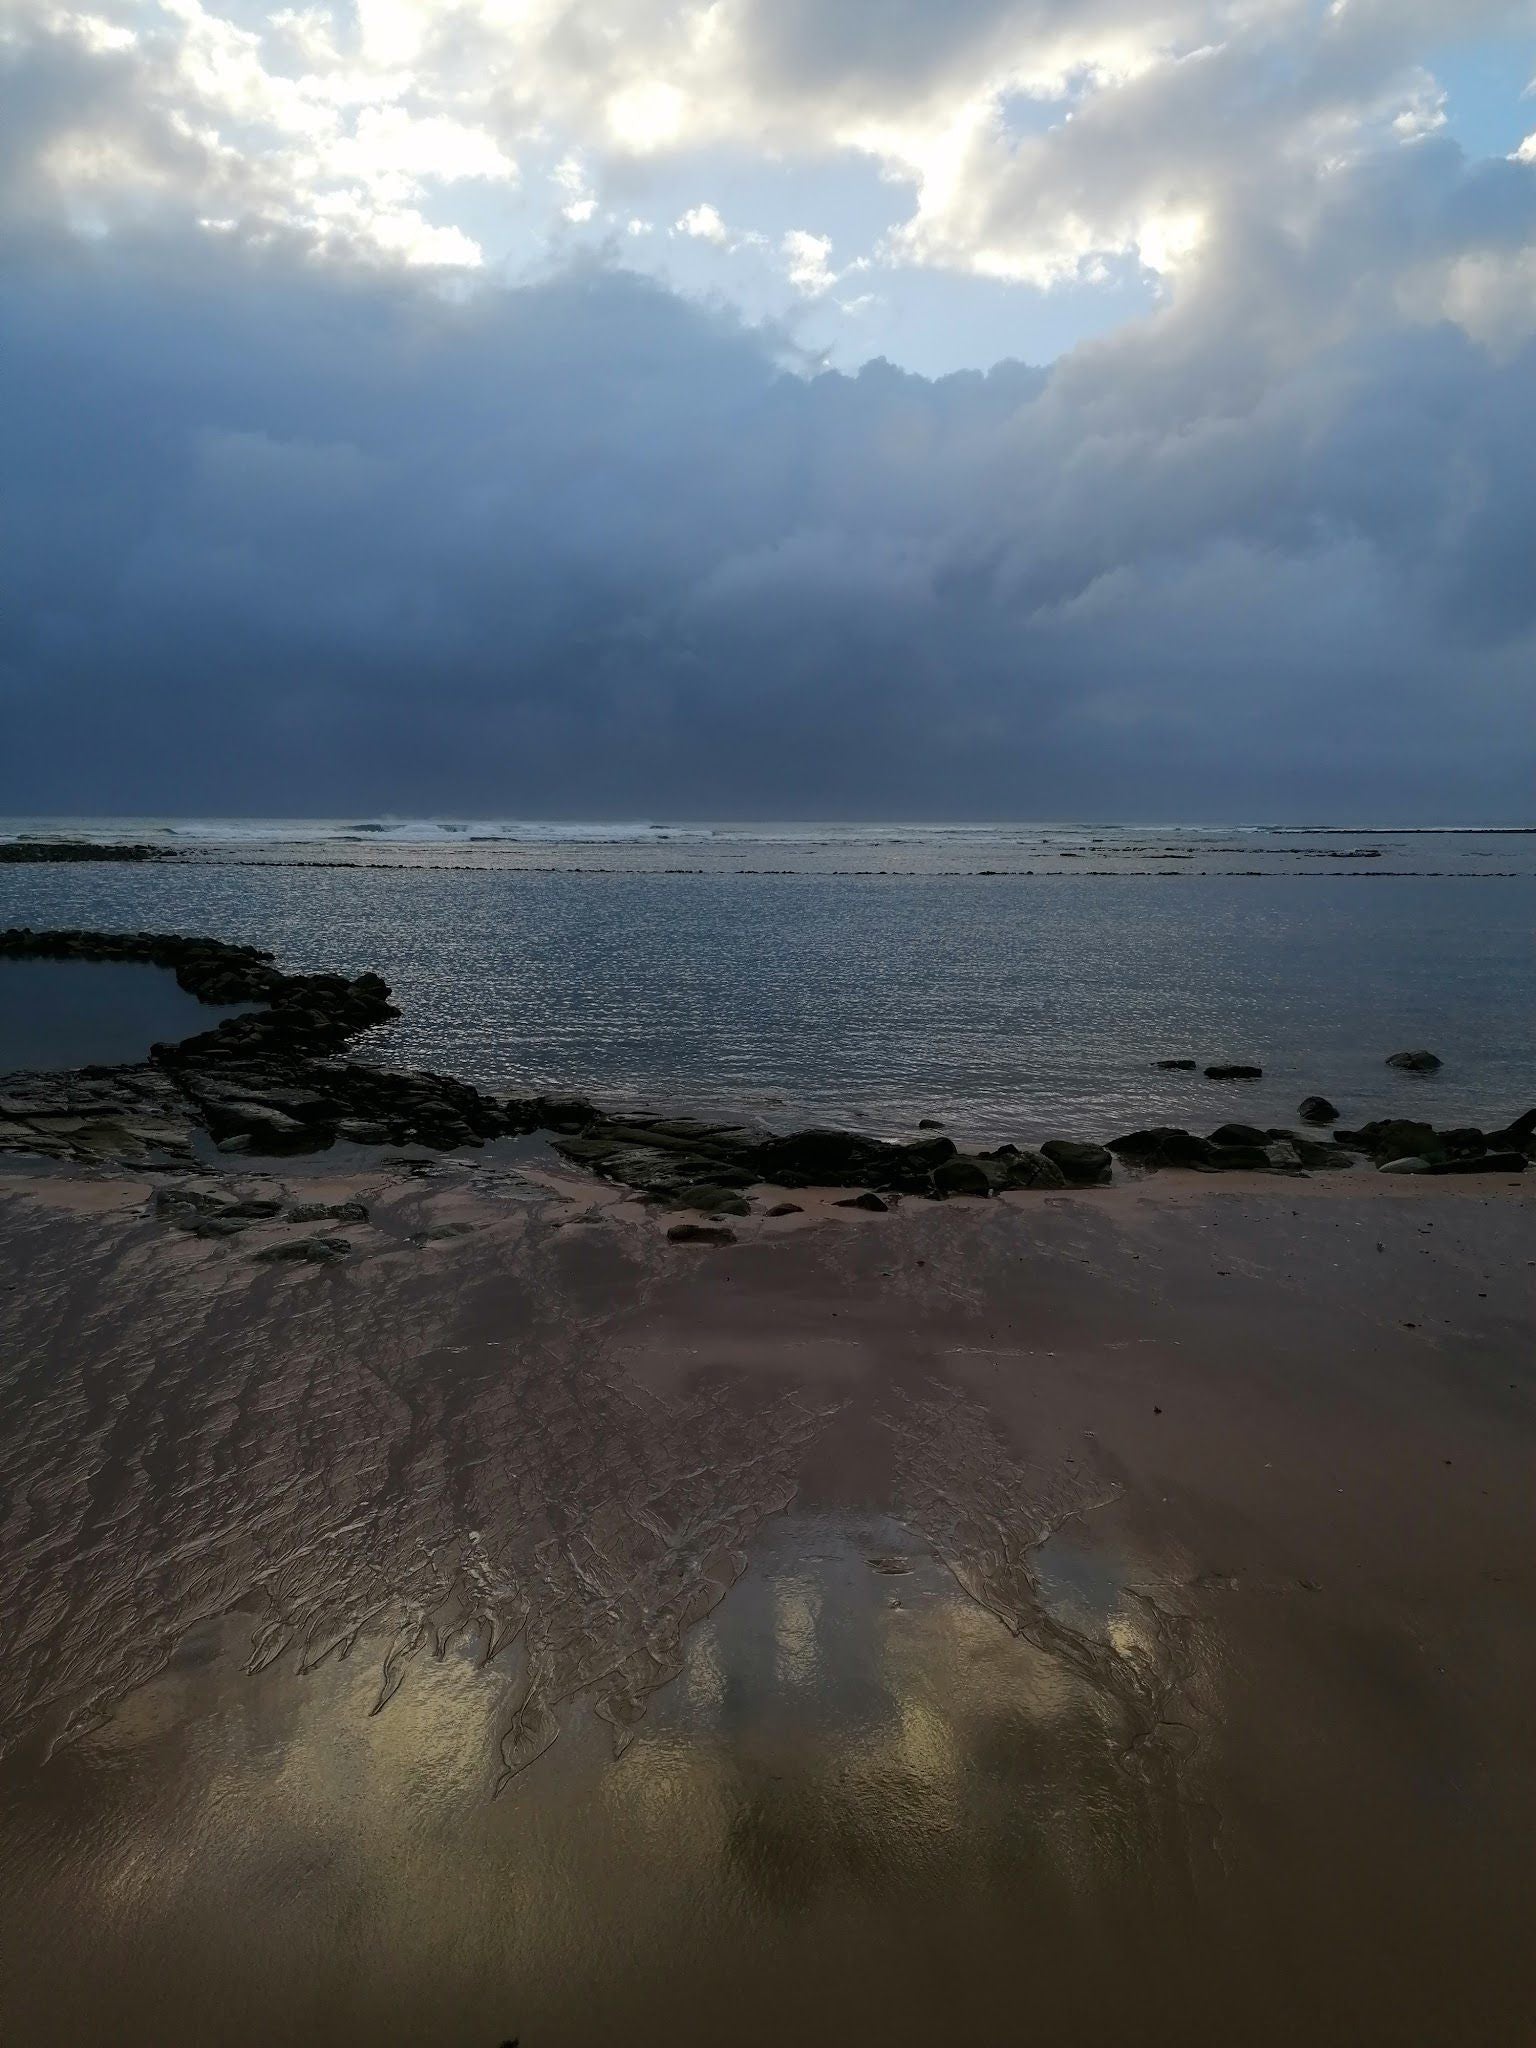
{"points": [[962, 1691]]}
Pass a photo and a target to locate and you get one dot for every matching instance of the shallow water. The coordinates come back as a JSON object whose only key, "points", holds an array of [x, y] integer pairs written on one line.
{"points": [[886, 975], [56, 1014]]}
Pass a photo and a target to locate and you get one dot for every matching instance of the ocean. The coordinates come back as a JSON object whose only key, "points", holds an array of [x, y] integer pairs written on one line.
{"points": [[1010, 981]]}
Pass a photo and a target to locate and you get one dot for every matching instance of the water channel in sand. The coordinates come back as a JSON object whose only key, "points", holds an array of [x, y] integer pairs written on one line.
{"points": [[1087, 1619]]}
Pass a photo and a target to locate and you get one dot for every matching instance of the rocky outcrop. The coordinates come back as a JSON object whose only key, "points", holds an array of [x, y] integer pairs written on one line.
{"points": [[277, 1079], [15, 851]]}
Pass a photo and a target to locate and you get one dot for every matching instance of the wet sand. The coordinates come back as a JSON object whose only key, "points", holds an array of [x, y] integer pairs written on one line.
{"points": [[1068, 1618]]}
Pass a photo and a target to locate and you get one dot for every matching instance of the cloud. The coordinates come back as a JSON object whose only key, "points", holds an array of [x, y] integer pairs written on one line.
{"points": [[289, 524], [805, 261]]}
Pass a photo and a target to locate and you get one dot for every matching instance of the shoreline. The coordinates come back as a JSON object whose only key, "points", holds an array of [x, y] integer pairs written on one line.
{"points": [[275, 1081]]}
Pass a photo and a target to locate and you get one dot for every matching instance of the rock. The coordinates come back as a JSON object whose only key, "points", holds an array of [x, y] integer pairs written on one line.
{"points": [[1486, 1162], [1178, 1066], [325, 1212], [1411, 1163], [215, 1226], [714, 1200], [1234, 1073], [1012, 1168], [1239, 1134], [255, 1207], [1318, 1158], [314, 1251], [701, 1233], [929, 1123], [358, 1132], [868, 1200], [961, 1176], [1240, 1158], [1415, 1062], [1164, 1145], [1317, 1109], [1082, 1166], [1392, 1137], [786, 1209], [1283, 1156], [819, 1158]]}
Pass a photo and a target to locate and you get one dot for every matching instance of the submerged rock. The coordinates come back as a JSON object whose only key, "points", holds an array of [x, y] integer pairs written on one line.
{"points": [[1317, 1109], [1415, 1062], [1234, 1073], [1178, 1066]]}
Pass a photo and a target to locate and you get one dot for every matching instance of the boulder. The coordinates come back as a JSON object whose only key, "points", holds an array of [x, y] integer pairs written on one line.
{"points": [[1082, 1166], [824, 1158], [1011, 1168], [1415, 1062], [1164, 1145], [786, 1209], [1239, 1134], [960, 1176], [1392, 1137], [1317, 1109], [1412, 1162], [1234, 1073]]}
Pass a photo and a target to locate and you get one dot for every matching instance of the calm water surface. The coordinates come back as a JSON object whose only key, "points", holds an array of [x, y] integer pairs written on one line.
{"points": [[1021, 981]]}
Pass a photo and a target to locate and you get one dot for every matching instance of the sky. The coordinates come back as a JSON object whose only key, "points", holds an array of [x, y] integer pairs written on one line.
{"points": [[769, 408]]}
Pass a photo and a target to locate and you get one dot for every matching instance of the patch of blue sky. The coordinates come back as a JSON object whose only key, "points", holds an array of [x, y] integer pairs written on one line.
{"points": [[1489, 104]]}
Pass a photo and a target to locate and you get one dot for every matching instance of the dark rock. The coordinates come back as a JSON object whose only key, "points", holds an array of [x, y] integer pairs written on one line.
{"points": [[1178, 1066], [786, 1209], [313, 1251], [868, 1200], [38, 850], [1238, 1134], [325, 1212], [701, 1233], [929, 1123], [1083, 1166], [716, 1200], [256, 1207], [1234, 1073], [1415, 1062], [1240, 1158], [1317, 1109], [1011, 1169], [1486, 1162], [1392, 1137], [823, 1158], [1164, 1145], [960, 1176]]}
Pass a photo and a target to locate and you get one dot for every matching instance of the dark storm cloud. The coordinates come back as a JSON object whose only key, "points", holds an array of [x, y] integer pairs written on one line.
{"points": [[291, 535]]}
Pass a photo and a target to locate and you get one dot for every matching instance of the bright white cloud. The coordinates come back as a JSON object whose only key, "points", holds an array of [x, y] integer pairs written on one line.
{"points": [[805, 261], [703, 224]]}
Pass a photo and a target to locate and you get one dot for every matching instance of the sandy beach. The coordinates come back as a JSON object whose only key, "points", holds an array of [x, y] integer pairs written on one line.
{"points": [[1092, 1615]]}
